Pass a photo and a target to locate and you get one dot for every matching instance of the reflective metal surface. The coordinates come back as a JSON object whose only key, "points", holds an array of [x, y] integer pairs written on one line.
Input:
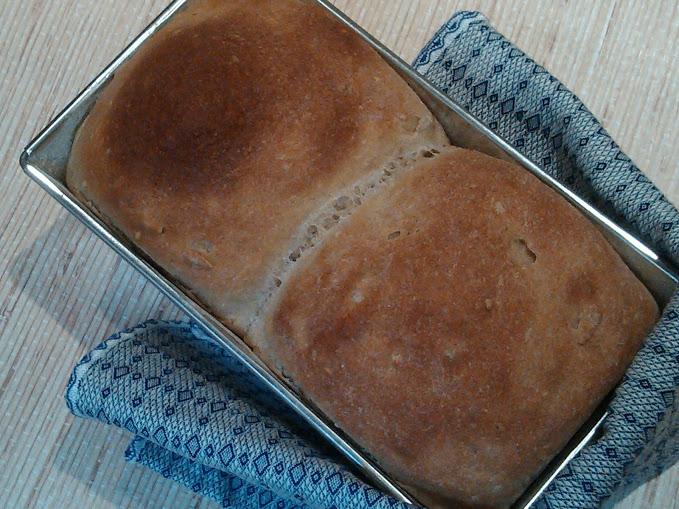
{"points": [[45, 159]]}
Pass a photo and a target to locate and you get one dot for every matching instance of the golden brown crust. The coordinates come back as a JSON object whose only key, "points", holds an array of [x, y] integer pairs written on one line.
{"points": [[455, 316], [461, 326], [239, 118]]}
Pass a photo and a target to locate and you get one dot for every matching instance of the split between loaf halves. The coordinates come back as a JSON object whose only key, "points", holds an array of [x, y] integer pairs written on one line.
{"points": [[452, 314]]}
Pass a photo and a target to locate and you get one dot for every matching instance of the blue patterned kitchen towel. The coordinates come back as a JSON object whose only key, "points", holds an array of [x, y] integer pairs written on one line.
{"points": [[202, 421]]}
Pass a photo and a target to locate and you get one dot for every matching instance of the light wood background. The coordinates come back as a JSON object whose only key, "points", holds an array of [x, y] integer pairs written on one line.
{"points": [[62, 290]]}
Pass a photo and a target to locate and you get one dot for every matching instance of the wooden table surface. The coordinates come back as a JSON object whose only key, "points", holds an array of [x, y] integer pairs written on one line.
{"points": [[62, 290]]}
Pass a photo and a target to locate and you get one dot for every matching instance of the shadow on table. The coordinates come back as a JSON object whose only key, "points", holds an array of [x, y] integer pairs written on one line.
{"points": [[76, 291], [83, 286]]}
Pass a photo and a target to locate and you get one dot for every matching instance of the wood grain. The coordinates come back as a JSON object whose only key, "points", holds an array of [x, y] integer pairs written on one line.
{"points": [[62, 291]]}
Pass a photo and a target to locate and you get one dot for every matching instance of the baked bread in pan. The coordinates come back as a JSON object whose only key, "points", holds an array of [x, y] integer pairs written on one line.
{"points": [[456, 317]]}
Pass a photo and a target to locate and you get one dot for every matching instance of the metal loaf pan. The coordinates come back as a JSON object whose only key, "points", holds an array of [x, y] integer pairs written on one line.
{"points": [[45, 159]]}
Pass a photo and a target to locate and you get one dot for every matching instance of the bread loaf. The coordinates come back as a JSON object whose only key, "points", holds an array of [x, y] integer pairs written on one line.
{"points": [[456, 317], [228, 128], [461, 326]]}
